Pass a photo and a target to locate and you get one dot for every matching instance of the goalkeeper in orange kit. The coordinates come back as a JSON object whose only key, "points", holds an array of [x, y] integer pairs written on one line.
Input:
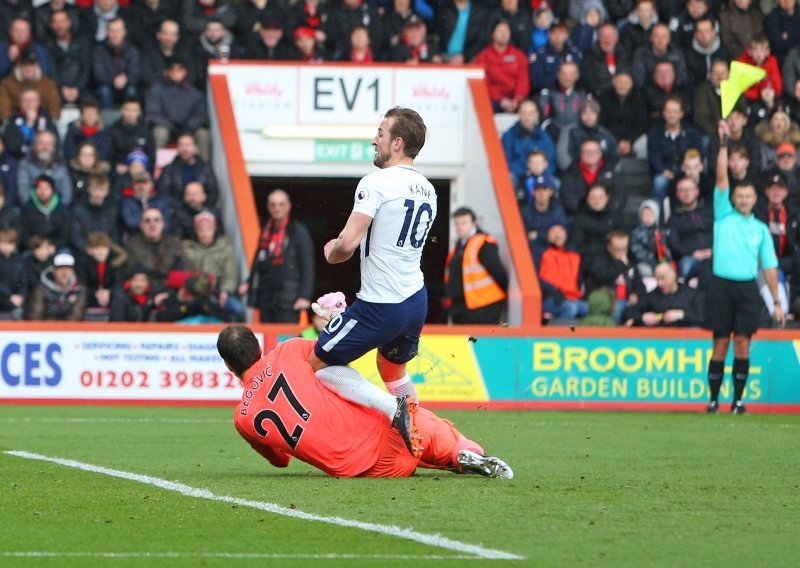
{"points": [[289, 411]]}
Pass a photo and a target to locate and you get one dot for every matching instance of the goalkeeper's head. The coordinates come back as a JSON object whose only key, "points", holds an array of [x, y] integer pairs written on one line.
{"points": [[239, 348]]}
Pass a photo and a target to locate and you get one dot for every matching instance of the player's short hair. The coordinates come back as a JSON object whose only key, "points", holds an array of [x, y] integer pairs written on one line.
{"points": [[464, 212], [239, 348], [409, 126]]}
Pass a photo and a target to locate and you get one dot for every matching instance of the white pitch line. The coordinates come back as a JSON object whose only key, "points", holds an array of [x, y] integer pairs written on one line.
{"points": [[436, 540], [242, 555]]}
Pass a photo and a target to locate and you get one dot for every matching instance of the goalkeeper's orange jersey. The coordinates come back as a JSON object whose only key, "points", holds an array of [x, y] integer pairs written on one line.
{"points": [[285, 411]]}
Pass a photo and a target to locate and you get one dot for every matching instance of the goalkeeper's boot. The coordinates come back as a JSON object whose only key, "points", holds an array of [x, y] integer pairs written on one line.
{"points": [[738, 408], [488, 466], [713, 407], [403, 422]]}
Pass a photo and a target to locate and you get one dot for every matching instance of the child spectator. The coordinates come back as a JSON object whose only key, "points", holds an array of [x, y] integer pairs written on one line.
{"points": [[12, 275], [560, 277], [542, 22], [58, 296], [134, 302], [584, 35], [647, 241], [601, 306], [541, 213], [538, 166], [101, 269], [758, 54], [42, 252]]}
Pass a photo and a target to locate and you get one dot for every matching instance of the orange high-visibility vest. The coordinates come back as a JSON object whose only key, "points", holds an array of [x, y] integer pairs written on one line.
{"points": [[480, 289]]}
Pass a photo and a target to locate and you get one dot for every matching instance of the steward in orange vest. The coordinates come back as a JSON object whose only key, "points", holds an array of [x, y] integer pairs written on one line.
{"points": [[475, 279]]}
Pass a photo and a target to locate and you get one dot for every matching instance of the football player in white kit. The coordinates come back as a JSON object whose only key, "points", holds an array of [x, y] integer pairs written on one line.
{"points": [[393, 213]]}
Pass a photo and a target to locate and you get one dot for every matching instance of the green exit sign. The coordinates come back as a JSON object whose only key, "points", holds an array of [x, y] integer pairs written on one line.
{"points": [[343, 151]]}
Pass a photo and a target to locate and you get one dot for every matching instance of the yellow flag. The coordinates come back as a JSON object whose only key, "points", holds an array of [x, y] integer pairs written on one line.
{"points": [[741, 77]]}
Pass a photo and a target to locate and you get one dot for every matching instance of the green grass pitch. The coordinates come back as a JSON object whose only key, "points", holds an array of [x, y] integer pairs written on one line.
{"points": [[595, 489]]}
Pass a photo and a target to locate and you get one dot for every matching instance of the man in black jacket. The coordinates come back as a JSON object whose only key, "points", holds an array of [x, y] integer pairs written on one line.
{"points": [[134, 302], [624, 112], [99, 211], [117, 66], [130, 133], [157, 54], [614, 270], [281, 280], [691, 232], [604, 61], [69, 54], [671, 304], [185, 168]]}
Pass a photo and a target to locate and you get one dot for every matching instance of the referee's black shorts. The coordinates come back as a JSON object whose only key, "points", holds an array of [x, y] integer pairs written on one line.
{"points": [[732, 307]]}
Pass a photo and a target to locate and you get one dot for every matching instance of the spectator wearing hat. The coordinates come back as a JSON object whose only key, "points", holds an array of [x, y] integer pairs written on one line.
{"points": [[136, 163], [342, 18], [603, 61], [560, 277], [786, 166], [541, 212], [667, 143], [194, 302], [58, 296], [187, 166], [545, 62], [129, 134], [758, 54], [88, 128], [97, 211], [140, 197], [413, 45], [116, 66], [45, 214], [648, 242], [19, 41], [525, 136], [27, 73], [174, 106], [100, 267], [154, 249], [506, 70], [623, 112], [86, 163], [26, 122], [268, 43], [589, 15], [69, 52], [194, 202], [157, 54], [588, 126], [462, 42], [207, 252], [660, 48], [778, 217], [309, 50], [590, 169], [43, 160], [134, 302]]}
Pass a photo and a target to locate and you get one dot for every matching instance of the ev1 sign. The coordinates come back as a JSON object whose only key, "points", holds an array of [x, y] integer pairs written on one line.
{"points": [[337, 95]]}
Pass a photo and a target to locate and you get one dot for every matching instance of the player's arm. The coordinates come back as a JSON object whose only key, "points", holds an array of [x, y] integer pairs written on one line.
{"points": [[723, 131], [342, 248]]}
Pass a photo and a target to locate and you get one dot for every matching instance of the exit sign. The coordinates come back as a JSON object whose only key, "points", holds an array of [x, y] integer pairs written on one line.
{"points": [[343, 151]]}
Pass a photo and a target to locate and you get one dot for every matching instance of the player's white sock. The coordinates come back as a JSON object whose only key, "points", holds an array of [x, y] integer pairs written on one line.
{"points": [[351, 385], [402, 386]]}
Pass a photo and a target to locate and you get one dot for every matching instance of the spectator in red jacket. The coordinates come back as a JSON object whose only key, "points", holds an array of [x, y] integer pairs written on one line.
{"points": [[506, 70], [758, 54]]}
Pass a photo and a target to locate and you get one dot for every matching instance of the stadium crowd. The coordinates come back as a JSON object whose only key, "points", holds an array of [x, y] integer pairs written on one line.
{"points": [[602, 90]]}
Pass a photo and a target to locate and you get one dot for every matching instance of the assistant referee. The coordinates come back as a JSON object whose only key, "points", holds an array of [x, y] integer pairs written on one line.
{"points": [[742, 244]]}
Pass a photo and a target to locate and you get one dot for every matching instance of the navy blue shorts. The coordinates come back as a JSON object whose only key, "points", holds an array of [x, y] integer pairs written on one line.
{"points": [[393, 328]]}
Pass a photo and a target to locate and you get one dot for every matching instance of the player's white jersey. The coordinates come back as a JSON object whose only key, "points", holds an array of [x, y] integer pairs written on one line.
{"points": [[402, 204]]}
